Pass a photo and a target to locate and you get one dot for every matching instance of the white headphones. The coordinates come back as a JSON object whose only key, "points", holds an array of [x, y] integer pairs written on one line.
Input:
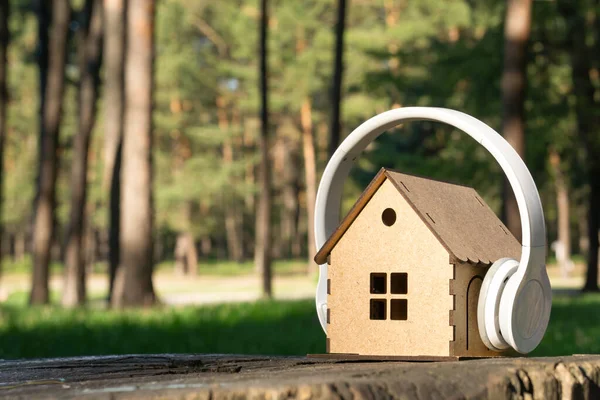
{"points": [[516, 297]]}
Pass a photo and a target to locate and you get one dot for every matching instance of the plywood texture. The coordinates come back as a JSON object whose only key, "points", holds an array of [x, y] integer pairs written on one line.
{"points": [[323, 252], [465, 287], [407, 246], [193, 377], [457, 216]]}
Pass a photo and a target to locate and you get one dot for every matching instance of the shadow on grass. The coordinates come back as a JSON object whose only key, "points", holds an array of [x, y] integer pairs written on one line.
{"points": [[273, 328], [286, 328]]}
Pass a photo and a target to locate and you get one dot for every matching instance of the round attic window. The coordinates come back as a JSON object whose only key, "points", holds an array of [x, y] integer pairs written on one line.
{"points": [[388, 216]]}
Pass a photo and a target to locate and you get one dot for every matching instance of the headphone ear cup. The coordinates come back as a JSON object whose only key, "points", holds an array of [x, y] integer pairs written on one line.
{"points": [[525, 311], [488, 306]]}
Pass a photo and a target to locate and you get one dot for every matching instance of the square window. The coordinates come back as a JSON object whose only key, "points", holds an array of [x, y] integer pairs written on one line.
{"points": [[399, 309], [378, 283], [399, 283], [377, 309]]}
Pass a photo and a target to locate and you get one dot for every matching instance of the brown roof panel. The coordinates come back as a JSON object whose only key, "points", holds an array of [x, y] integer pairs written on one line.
{"points": [[460, 219]]}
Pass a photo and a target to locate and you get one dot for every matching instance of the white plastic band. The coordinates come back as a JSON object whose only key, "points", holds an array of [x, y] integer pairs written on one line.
{"points": [[329, 195]]}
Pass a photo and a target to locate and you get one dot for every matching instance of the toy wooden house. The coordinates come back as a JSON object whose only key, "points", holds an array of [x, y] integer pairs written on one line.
{"points": [[406, 266]]}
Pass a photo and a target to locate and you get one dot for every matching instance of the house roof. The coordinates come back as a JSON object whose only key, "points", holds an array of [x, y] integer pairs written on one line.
{"points": [[457, 216]]}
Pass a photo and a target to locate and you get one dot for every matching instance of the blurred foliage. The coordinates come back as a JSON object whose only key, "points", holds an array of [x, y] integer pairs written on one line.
{"points": [[397, 54]]}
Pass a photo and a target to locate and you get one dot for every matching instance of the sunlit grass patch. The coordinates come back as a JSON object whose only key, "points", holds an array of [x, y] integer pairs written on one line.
{"points": [[265, 327], [574, 326], [270, 327]]}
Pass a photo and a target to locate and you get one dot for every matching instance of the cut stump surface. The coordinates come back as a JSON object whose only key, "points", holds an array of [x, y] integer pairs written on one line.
{"points": [[171, 376]]}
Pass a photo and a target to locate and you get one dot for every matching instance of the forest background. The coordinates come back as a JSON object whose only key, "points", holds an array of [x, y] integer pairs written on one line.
{"points": [[167, 152]]}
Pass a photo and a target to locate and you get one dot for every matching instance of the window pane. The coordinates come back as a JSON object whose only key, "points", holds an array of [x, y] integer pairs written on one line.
{"points": [[399, 309], [377, 309], [399, 284], [378, 283]]}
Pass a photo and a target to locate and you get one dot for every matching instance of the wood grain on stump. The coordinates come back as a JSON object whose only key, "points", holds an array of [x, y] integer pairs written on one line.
{"points": [[170, 376]]}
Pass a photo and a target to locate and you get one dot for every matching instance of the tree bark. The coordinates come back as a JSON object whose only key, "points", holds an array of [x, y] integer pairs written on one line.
{"points": [[310, 170], [114, 92], [234, 240], [588, 123], [249, 178], [392, 15], [54, 18], [186, 256], [89, 64], [180, 266], [262, 253], [591, 276], [290, 193], [563, 246], [91, 252], [338, 69], [20, 245], [517, 27], [133, 286], [582, 228], [4, 41]]}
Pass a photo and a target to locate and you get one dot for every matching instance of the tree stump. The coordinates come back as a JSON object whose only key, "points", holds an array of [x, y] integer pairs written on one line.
{"points": [[170, 376]]}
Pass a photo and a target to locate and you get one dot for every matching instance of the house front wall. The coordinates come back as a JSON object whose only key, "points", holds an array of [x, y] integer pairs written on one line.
{"points": [[406, 246]]}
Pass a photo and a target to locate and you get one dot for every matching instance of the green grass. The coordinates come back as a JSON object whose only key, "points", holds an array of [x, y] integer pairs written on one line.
{"points": [[254, 328], [574, 326], [276, 327], [20, 298]]}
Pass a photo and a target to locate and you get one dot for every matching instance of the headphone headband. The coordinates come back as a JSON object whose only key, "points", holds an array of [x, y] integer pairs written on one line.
{"points": [[329, 195]]}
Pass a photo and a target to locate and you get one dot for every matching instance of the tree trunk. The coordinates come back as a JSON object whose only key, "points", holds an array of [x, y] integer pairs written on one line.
{"points": [[20, 245], [238, 212], [90, 51], [234, 240], [114, 92], [392, 14], [591, 276], [5, 248], [262, 253], [517, 28], [205, 246], [133, 286], [54, 18], [582, 229], [4, 39], [290, 197], [588, 123], [563, 245], [248, 143], [180, 266], [310, 170], [186, 255], [338, 69], [91, 244]]}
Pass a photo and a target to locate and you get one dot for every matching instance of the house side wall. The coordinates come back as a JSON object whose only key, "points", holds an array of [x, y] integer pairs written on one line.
{"points": [[466, 287], [406, 246]]}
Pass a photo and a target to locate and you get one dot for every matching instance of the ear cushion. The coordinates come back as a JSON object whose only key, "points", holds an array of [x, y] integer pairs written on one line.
{"points": [[489, 303], [525, 311]]}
